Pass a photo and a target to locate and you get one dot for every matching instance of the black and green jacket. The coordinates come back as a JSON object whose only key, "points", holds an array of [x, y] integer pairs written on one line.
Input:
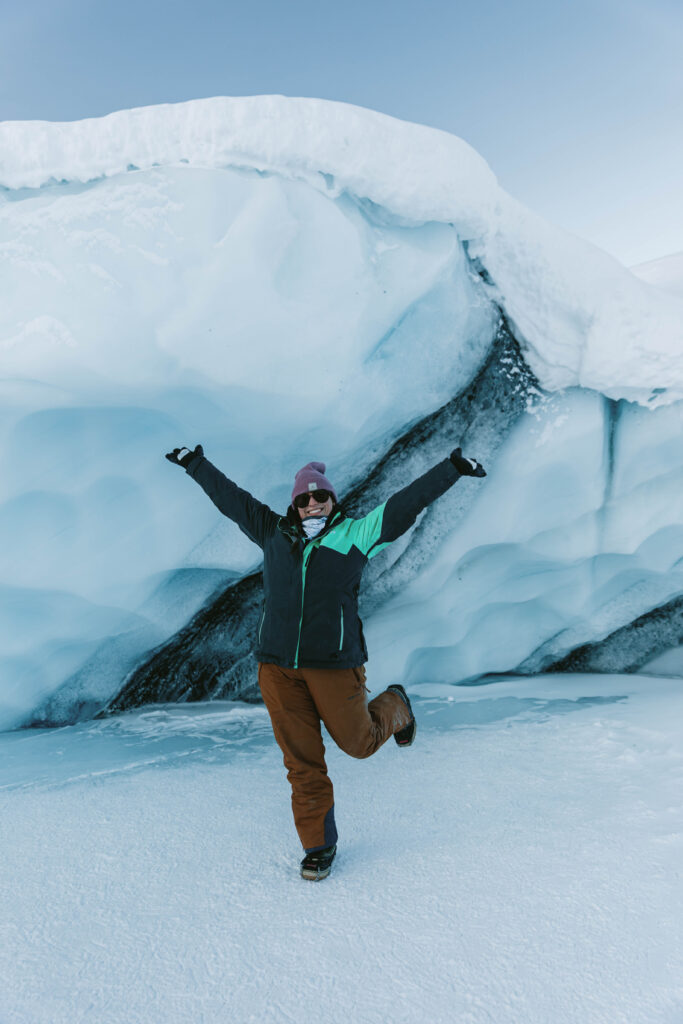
{"points": [[310, 610]]}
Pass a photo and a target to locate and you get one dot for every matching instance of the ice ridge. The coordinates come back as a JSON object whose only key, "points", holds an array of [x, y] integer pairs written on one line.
{"points": [[583, 318]]}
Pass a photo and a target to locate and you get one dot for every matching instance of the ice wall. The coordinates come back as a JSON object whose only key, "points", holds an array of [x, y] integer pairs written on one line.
{"points": [[285, 280], [578, 533], [174, 305], [569, 558]]}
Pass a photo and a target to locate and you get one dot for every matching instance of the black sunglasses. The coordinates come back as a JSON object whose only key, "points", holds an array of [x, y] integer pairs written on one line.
{"points": [[302, 500]]}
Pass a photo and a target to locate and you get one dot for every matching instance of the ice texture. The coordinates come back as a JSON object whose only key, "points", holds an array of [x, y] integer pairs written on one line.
{"points": [[578, 533], [286, 280], [583, 317]]}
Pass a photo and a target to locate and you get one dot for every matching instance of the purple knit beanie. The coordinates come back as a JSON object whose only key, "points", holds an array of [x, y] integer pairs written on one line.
{"points": [[312, 478]]}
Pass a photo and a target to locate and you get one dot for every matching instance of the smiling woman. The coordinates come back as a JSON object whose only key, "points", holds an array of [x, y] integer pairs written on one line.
{"points": [[310, 644]]}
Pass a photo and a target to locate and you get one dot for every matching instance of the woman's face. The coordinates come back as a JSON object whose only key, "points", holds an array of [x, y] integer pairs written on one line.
{"points": [[315, 508]]}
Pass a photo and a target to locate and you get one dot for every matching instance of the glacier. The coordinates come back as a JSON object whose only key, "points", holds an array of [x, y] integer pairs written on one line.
{"points": [[286, 279]]}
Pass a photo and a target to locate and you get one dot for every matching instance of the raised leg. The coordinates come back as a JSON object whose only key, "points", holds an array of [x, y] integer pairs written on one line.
{"points": [[358, 727]]}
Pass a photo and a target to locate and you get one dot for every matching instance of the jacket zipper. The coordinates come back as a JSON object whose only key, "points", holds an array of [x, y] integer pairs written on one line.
{"points": [[341, 637], [263, 615], [307, 555]]}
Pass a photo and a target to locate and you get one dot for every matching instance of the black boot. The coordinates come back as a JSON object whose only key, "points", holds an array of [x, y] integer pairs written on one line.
{"points": [[404, 737], [316, 866]]}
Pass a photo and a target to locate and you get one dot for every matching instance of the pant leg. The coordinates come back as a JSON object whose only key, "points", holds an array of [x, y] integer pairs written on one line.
{"points": [[358, 727], [296, 725]]}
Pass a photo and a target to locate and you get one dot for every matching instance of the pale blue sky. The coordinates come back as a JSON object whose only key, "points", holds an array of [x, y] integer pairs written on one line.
{"points": [[576, 106]]}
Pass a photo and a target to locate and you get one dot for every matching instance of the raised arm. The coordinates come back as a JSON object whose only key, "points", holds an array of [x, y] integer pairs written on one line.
{"points": [[390, 520], [254, 518]]}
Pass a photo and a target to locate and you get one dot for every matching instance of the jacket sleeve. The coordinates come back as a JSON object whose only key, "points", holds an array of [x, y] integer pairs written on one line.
{"points": [[254, 518], [387, 522]]}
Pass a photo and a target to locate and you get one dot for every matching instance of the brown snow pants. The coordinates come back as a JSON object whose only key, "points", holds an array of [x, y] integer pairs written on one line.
{"points": [[297, 701]]}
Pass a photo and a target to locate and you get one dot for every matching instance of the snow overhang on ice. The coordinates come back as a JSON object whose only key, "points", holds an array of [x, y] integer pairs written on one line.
{"points": [[584, 318]]}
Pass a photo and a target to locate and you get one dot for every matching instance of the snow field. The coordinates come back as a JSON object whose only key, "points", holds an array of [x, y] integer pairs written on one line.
{"points": [[520, 864]]}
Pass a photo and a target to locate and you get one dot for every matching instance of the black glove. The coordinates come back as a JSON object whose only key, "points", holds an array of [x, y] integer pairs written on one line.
{"points": [[466, 467], [182, 456]]}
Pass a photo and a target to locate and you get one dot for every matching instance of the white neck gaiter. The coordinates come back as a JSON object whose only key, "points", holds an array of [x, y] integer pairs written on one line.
{"points": [[313, 526]]}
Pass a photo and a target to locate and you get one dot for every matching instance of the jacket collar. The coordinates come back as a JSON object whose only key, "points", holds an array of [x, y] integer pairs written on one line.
{"points": [[290, 524]]}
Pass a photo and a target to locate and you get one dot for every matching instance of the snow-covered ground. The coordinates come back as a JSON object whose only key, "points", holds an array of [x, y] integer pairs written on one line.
{"points": [[520, 864]]}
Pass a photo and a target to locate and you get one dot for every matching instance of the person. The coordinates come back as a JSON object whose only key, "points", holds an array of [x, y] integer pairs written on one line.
{"points": [[310, 646]]}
